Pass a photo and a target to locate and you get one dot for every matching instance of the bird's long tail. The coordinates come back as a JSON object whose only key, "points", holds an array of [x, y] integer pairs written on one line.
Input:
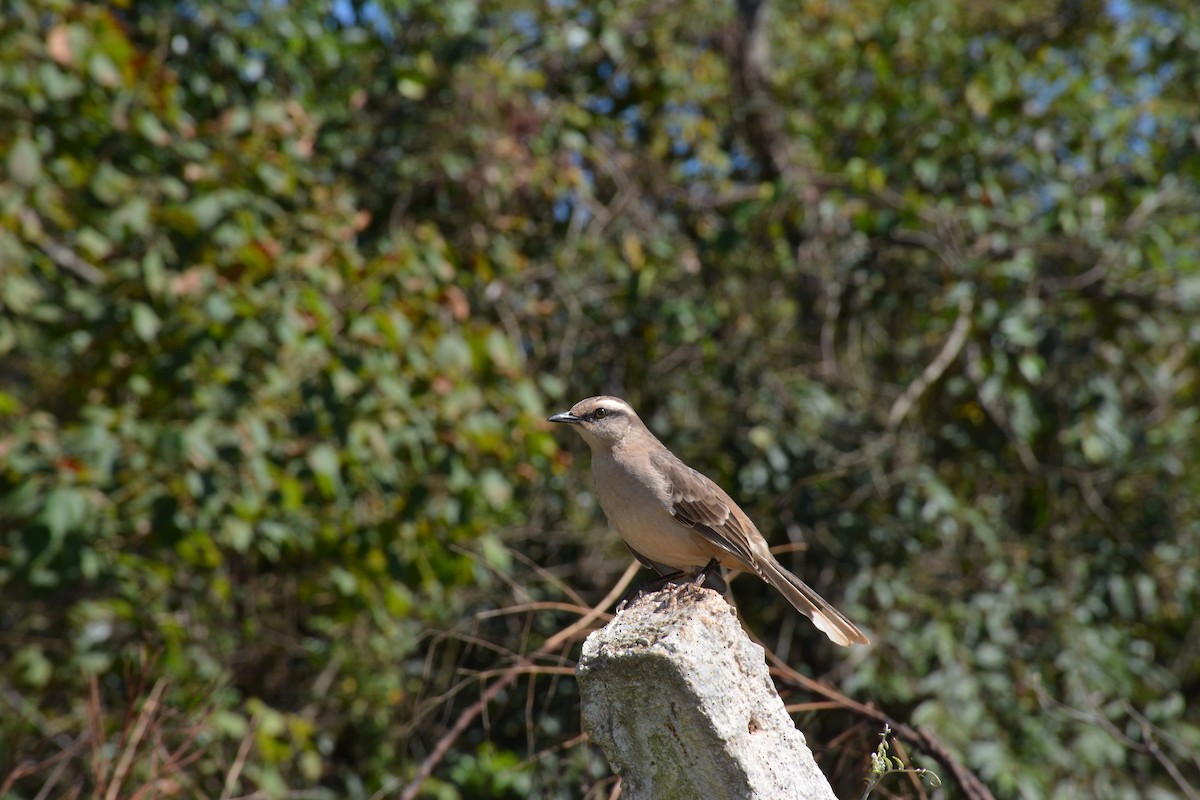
{"points": [[828, 619]]}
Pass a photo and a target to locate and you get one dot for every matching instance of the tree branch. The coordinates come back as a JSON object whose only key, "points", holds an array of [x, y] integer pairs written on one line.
{"points": [[431, 761]]}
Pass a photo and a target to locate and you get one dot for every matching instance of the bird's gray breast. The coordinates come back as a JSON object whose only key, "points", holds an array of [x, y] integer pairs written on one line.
{"points": [[636, 498]]}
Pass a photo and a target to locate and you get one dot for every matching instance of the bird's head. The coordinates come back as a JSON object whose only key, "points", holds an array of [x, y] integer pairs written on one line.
{"points": [[601, 421]]}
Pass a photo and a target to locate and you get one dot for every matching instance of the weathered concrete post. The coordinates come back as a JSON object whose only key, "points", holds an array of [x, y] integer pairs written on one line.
{"points": [[681, 703]]}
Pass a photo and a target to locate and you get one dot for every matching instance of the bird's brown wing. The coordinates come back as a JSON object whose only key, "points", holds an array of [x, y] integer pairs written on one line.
{"points": [[699, 503]]}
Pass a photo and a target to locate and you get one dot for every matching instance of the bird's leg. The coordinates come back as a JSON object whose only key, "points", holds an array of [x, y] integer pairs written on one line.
{"points": [[697, 582], [653, 584], [659, 581], [703, 574]]}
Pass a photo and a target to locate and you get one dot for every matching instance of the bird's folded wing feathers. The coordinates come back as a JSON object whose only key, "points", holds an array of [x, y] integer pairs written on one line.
{"points": [[699, 503]]}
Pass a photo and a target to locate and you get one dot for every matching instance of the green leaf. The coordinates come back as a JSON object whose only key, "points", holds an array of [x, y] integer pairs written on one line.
{"points": [[146, 323], [323, 459], [237, 533], [8, 404], [495, 488], [25, 162], [65, 511], [33, 666], [102, 70], [151, 127]]}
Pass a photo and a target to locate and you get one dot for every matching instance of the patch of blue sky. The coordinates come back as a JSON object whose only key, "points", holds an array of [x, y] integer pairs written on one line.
{"points": [[600, 104], [525, 24]]}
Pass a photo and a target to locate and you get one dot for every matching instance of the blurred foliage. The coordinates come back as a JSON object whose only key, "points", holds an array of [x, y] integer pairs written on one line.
{"points": [[287, 290]]}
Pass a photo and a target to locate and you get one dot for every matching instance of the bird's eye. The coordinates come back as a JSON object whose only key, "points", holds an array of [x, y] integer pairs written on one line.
{"points": [[600, 413]]}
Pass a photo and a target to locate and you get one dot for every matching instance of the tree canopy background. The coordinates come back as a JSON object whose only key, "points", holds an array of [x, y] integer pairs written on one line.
{"points": [[289, 288]]}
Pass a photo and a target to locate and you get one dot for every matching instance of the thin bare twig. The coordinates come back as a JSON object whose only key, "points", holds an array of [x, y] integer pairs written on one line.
{"points": [[1149, 743], [239, 761], [526, 669], [521, 608], [149, 709], [468, 715], [1167, 764], [96, 736], [26, 768], [52, 781], [973, 788], [934, 370], [68, 261]]}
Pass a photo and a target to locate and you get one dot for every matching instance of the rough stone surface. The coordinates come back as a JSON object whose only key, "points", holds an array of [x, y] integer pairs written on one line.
{"points": [[681, 703]]}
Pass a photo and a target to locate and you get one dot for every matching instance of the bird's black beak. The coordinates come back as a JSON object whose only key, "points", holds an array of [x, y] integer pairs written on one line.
{"points": [[565, 416]]}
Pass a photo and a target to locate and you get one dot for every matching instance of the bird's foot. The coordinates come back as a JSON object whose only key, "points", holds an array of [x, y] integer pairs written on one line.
{"points": [[707, 578], [645, 587], [696, 585], [679, 590]]}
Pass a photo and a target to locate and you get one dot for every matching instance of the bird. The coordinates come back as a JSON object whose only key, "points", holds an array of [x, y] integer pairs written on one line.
{"points": [[675, 520]]}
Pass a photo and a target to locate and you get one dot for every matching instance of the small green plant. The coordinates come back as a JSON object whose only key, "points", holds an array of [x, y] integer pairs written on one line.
{"points": [[883, 764]]}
